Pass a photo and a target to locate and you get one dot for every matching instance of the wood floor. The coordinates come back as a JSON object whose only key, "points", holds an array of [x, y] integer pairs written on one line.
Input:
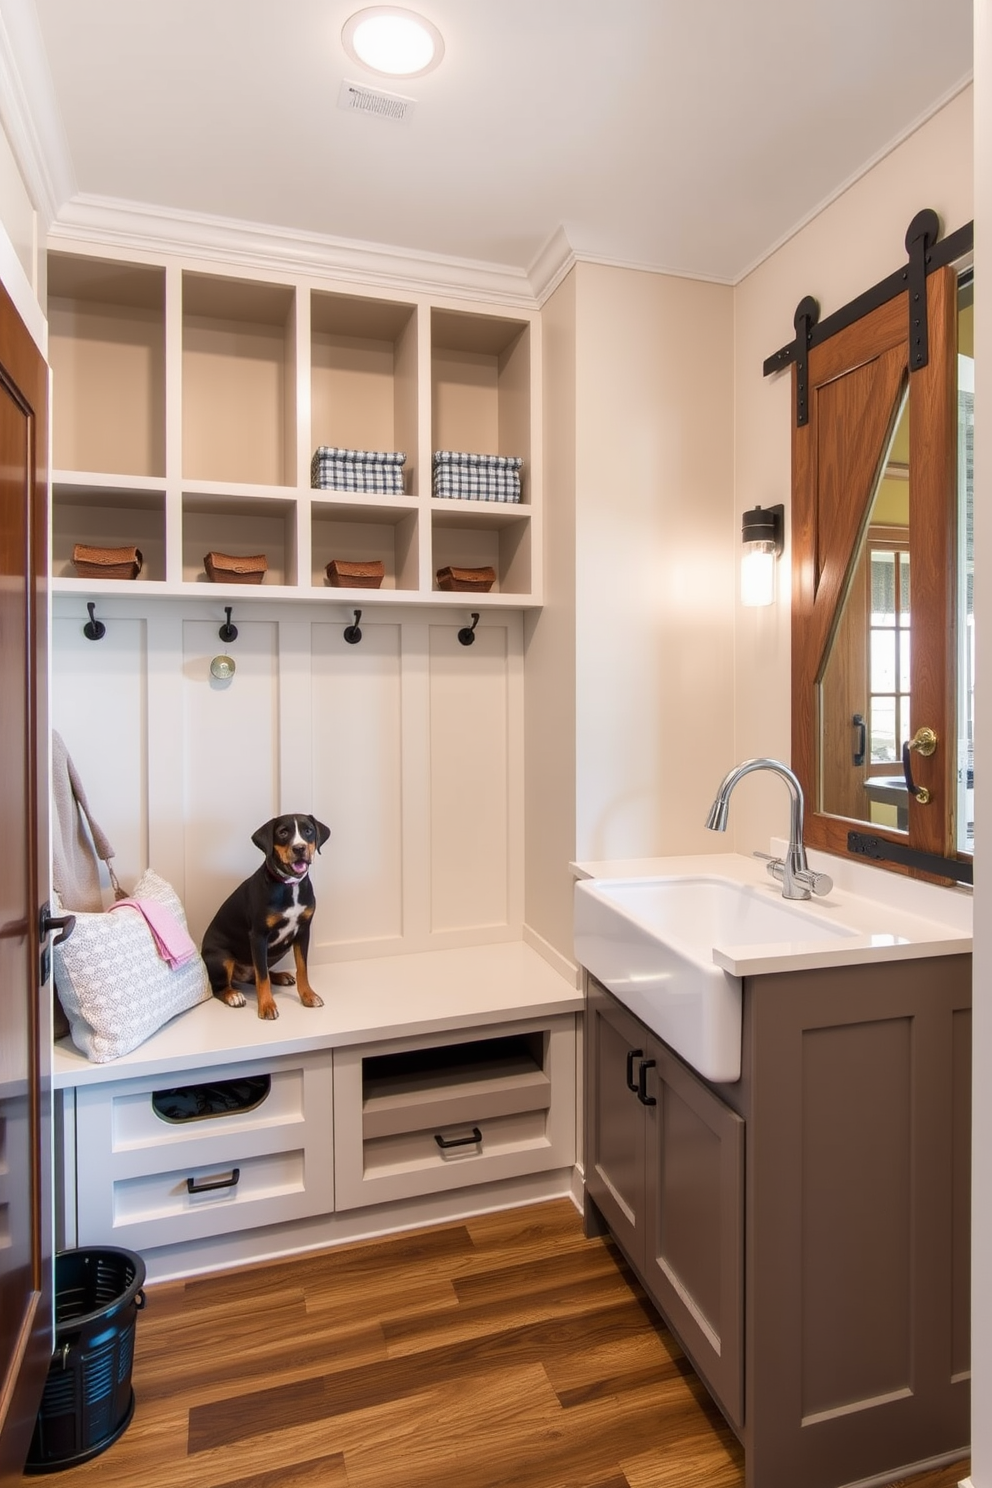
{"points": [[504, 1352]]}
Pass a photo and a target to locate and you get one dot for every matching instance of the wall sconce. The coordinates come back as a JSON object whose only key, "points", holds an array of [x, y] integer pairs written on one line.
{"points": [[762, 538]]}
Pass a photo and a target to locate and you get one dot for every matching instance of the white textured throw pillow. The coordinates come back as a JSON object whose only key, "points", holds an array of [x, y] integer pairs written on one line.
{"points": [[115, 987]]}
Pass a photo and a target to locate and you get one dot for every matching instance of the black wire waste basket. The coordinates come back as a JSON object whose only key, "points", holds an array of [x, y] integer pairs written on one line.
{"points": [[88, 1400]]}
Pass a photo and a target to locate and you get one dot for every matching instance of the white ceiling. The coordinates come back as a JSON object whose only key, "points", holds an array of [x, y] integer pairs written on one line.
{"points": [[683, 135]]}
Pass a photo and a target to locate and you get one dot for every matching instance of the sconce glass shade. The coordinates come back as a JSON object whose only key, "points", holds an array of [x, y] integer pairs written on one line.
{"points": [[761, 533]]}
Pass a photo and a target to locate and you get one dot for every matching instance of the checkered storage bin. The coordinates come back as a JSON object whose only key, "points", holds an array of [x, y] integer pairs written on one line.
{"points": [[464, 477], [375, 472]]}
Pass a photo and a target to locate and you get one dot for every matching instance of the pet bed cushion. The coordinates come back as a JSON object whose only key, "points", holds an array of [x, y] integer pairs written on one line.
{"points": [[112, 982]]}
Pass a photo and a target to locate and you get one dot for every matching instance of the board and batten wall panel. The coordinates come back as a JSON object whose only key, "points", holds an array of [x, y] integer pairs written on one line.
{"points": [[470, 784], [99, 706], [230, 756], [408, 745], [357, 745]]}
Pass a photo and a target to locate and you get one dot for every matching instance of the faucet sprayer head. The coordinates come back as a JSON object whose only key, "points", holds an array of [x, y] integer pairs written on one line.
{"points": [[719, 812]]}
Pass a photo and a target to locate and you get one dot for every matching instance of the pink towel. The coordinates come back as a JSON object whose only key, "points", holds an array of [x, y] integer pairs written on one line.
{"points": [[172, 940]]}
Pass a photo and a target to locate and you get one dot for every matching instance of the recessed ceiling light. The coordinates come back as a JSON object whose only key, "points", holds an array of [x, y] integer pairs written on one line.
{"points": [[392, 41]]}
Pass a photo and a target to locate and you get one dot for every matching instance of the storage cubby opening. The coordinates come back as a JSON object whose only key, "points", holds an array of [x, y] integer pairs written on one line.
{"points": [[355, 533], [106, 347], [217, 1098], [480, 386], [241, 528], [496, 541], [113, 518], [363, 370], [413, 1070], [239, 381]]}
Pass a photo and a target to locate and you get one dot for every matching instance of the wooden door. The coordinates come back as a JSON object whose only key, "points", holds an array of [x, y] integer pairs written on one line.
{"points": [[615, 1048], [25, 1021], [857, 382]]}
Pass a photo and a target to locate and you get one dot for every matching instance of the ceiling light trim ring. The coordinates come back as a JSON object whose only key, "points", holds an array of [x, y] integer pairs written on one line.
{"points": [[360, 47]]}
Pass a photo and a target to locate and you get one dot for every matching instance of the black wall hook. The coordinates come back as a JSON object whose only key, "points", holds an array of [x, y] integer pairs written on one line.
{"points": [[228, 632], [352, 634], [467, 633], [94, 629]]}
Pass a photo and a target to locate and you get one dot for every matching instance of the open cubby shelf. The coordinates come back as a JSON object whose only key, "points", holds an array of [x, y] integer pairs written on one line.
{"points": [[188, 402]]}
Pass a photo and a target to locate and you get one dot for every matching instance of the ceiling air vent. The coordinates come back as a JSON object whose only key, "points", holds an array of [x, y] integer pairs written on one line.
{"points": [[357, 99]]}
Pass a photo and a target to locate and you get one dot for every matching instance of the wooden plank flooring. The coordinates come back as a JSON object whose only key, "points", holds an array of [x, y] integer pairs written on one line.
{"points": [[504, 1352]]}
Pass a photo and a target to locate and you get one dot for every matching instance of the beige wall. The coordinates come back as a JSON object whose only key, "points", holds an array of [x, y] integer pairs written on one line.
{"points": [[853, 243], [21, 261], [629, 668], [549, 652], [654, 566]]}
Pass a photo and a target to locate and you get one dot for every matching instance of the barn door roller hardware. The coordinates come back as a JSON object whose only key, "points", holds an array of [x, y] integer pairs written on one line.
{"points": [[926, 251]]}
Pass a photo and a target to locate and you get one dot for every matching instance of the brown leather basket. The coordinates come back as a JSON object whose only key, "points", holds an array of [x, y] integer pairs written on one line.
{"points": [[224, 568], [361, 575], [470, 580], [106, 563]]}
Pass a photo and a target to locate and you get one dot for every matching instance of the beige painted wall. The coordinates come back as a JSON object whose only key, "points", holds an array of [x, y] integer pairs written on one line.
{"points": [[549, 653], [853, 243], [629, 668], [654, 560], [17, 212]]}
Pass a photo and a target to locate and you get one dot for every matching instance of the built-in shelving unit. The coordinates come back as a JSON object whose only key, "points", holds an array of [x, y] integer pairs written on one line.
{"points": [[188, 402]]}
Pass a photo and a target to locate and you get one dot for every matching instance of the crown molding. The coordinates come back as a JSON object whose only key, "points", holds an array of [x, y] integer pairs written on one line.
{"points": [[551, 265], [29, 112], [139, 226]]}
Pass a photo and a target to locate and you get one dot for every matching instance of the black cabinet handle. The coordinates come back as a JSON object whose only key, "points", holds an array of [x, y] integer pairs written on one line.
{"points": [[445, 1142], [859, 749], [226, 1180], [632, 1054], [642, 1083]]}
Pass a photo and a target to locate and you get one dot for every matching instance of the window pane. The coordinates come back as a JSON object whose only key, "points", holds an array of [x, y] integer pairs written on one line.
{"points": [[883, 589], [883, 730], [903, 588], [883, 661]]}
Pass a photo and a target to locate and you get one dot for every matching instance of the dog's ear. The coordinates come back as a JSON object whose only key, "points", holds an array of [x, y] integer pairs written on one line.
{"points": [[265, 836], [322, 832]]}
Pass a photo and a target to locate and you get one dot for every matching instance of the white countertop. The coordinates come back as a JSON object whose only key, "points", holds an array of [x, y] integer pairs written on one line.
{"points": [[364, 1001], [893, 917]]}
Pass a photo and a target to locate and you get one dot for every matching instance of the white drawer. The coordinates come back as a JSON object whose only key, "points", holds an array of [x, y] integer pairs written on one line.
{"points": [[144, 1181], [411, 1130]]}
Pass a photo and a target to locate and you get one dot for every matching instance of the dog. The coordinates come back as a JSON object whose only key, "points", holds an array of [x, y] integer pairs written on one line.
{"points": [[267, 914]]}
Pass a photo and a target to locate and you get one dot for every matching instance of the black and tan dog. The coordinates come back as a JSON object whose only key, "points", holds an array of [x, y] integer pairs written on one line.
{"points": [[267, 914]]}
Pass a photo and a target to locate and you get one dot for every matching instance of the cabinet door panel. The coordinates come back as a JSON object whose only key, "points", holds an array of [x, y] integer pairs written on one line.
{"points": [[694, 1261], [615, 1136]]}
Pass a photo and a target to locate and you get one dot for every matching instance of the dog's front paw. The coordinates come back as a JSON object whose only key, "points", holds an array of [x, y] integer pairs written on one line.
{"points": [[309, 998], [268, 1010], [231, 997]]}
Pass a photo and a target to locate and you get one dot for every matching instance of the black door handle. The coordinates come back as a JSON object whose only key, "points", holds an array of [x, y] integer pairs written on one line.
{"points": [[859, 749], [642, 1083], [47, 922], [632, 1054]]}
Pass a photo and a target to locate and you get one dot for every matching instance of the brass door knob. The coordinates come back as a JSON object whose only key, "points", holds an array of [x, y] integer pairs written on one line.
{"points": [[924, 741]]}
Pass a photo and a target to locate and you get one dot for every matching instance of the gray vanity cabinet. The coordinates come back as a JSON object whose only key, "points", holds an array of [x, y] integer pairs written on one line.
{"points": [[822, 1200], [665, 1170]]}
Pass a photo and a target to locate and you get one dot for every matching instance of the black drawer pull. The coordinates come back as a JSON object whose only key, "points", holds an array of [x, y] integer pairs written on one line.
{"points": [[632, 1054], [226, 1180], [445, 1142], [642, 1083]]}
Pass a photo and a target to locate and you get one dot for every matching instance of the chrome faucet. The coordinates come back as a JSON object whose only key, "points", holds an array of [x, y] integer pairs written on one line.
{"points": [[794, 873]]}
